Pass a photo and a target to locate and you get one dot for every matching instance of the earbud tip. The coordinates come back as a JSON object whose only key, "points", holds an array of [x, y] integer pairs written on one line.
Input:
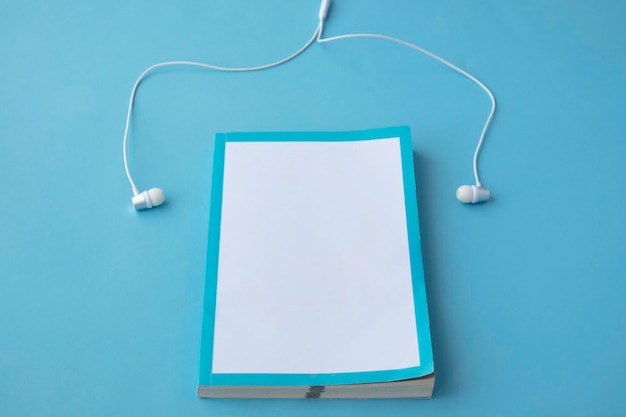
{"points": [[156, 196], [465, 194]]}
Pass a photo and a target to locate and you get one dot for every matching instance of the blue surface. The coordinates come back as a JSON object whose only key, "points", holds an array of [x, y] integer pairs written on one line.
{"points": [[101, 307], [426, 366]]}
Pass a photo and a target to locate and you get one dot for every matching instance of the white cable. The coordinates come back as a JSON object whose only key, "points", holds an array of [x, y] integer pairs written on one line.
{"points": [[438, 58], [201, 65], [317, 35]]}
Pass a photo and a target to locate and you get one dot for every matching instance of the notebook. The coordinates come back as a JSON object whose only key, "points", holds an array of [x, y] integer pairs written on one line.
{"points": [[314, 277]]}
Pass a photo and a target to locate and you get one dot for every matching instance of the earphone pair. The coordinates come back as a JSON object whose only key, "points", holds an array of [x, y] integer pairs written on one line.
{"points": [[469, 194], [155, 197]]}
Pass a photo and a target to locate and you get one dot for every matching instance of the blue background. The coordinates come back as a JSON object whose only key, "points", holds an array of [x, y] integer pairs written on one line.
{"points": [[100, 307]]}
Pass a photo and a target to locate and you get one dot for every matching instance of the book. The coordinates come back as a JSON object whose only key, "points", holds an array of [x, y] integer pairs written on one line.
{"points": [[314, 278]]}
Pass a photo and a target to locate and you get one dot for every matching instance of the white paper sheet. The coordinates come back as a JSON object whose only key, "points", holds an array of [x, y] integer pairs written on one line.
{"points": [[314, 273]]}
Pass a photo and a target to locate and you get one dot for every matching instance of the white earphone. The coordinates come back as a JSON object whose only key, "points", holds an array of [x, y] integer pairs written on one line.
{"points": [[472, 194], [152, 198], [466, 193]]}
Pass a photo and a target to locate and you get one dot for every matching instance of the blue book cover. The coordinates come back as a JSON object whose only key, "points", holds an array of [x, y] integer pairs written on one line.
{"points": [[314, 276]]}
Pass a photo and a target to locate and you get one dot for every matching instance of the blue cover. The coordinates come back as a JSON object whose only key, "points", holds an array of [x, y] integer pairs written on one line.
{"points": [[207, 377]]}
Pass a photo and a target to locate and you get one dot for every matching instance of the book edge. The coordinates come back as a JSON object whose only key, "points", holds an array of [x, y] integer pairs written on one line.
{"points": [[206, 377]]}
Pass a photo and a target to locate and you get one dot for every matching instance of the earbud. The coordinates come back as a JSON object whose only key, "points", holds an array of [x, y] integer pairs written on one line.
{"points": [[148, 199], [472, 194]]}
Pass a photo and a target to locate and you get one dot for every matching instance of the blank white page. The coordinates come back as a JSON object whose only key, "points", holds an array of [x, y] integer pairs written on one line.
{"points": [[314, 273]]}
